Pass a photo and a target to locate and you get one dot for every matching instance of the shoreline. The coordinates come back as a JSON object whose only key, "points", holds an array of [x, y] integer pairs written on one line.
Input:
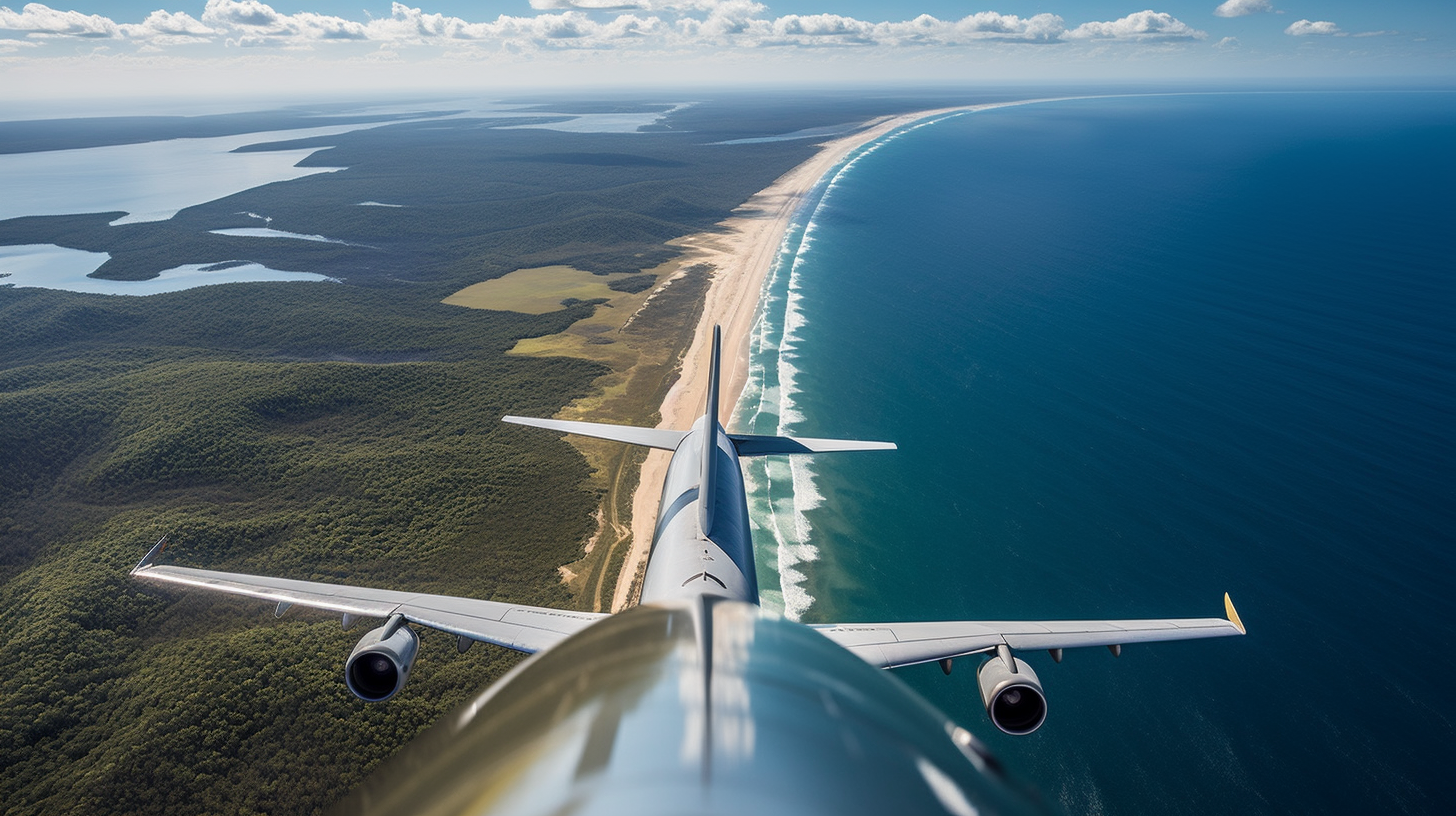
{"points": [[742, 252]]}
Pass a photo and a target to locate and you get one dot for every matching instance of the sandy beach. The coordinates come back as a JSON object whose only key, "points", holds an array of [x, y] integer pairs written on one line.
{"points": [[742, 251]]}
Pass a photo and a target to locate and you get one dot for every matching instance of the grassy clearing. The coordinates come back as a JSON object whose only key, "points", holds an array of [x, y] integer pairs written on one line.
{"points": [[535, 291]]}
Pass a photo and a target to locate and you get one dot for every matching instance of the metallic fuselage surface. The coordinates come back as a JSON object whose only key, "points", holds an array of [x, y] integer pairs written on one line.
{"points": [[685, 562], [705, 706]]}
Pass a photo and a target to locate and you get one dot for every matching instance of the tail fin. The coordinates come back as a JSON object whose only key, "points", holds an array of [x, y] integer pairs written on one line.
{"points": [[708, 481]]}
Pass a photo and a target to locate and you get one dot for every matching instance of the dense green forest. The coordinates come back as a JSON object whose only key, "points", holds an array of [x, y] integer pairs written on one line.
{"points": [[330, 431]]}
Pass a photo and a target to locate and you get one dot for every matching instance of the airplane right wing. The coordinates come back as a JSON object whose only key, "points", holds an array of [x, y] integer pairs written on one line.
{"points": [[887, 645]]}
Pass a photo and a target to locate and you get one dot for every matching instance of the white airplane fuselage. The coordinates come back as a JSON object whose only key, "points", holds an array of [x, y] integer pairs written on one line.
{"points": [[686, 561]]}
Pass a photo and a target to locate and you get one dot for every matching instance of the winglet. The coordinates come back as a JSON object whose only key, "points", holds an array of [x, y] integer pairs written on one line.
{"points": [[1232, 614], [151, 555]]}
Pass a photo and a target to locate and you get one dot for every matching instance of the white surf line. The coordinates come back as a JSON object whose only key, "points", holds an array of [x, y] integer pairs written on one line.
{"points": [[796, 548]]}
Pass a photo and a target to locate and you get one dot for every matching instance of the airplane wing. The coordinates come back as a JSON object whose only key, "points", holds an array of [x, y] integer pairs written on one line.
{"points": [[888, 645], [514, 626]]}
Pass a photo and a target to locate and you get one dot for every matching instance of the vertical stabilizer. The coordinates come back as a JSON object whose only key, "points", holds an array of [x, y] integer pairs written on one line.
{"points": [[706, 492]]}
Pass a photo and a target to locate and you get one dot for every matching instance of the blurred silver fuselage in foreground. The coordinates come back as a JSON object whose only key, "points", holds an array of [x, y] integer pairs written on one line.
{"points": [[702, 706]]}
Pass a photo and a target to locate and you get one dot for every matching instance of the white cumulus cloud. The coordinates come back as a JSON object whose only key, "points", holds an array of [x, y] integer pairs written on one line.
{"points": [[1242, 8], [678, 6], [1141, 25], [1306, 28], [821, 25], [584, 5], [38, 19], [241, 13], [988, 25], [257, 24], [572, 29], [665, 25], [168, 28]]}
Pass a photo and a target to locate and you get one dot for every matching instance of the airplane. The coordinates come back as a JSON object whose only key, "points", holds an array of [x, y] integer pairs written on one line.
{"points": [[696, 700]]}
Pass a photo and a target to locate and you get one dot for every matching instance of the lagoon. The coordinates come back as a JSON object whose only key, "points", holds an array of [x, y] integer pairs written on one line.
{"points": [[47, 266], [150, 181]]}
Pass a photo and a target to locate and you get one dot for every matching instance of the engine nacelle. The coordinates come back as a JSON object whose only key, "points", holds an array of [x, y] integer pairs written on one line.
{"points": [[379, 666], [1014, 700]]}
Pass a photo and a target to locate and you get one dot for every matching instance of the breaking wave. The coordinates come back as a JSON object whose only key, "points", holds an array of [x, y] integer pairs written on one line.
{"points": [[782, 490]]}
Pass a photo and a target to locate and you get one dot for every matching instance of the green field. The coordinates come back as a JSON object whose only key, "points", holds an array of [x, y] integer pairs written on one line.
{"points": [[535, 291]]}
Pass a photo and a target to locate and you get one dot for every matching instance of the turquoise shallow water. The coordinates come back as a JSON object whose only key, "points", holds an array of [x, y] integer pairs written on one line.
{"points": [[1138, 352]]}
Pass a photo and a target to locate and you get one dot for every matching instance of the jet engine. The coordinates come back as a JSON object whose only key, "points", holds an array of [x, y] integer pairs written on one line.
{"points": [[1012, 694], [379, 666]]}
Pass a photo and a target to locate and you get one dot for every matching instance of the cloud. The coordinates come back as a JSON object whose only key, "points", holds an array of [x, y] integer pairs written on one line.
{"points": [[256, 24], [679, 6], [167, 28], [809, 28], [572, 29], [736, 23], [1138, 26], [584, 5], [679, 26], [241, 13], [988, 25], [1227, 44], [1305, 28], [36, 19], [1242, 8], [12, 46]]}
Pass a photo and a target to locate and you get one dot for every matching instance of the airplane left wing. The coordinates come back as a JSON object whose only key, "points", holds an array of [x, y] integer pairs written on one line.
{"points": [[887, 645], [514, 626]]}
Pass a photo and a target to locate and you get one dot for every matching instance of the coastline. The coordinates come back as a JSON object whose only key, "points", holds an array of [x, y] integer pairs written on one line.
{"points": [[742, 250]]}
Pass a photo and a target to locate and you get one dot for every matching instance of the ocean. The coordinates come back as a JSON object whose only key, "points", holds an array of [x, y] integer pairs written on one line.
{"points": [[1137, 352]]}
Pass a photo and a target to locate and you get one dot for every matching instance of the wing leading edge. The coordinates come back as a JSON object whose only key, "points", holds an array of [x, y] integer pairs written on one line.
{"points": [[514, 626], [888, 645]]}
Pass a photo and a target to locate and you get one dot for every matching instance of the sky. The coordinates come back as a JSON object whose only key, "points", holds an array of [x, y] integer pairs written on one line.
{"points": [[106, 48]]}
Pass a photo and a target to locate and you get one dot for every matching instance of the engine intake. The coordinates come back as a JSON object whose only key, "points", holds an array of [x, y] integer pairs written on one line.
{"points": [[1014, 699], [379, 666]]}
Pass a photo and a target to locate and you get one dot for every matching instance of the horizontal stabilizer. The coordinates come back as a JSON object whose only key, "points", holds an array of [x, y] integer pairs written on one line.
{"points": [[749, 445], [632, 435]]}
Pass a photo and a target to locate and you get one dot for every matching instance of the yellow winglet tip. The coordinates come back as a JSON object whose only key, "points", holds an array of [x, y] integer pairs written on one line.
{"points": [[1233, 614]]}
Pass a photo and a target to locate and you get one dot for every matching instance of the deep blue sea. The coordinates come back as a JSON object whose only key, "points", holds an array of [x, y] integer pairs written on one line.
{"points": [[1138, 352]]}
